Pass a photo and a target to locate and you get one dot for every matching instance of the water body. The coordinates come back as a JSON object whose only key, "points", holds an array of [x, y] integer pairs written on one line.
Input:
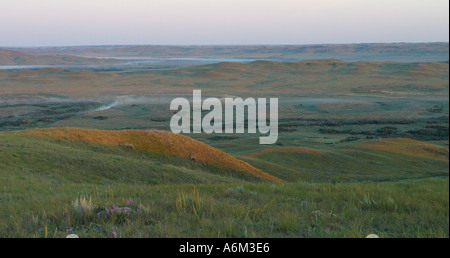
{"points": [[133, 63]]}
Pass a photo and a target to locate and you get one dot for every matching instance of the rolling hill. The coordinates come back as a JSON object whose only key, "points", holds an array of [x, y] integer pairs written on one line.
{"points": [[315, 77], [418, 52], [365, 160], [169, 193], [370, 160], [14, 57], [154, 142], [362, 149]]}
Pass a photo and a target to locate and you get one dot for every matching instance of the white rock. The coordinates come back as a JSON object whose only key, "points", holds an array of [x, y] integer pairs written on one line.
{"points": [[372, 236], [72, 236]]}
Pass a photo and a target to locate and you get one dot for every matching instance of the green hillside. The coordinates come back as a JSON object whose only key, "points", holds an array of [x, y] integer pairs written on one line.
{"points": [[71, 161], [51, 187], [375, 160]]}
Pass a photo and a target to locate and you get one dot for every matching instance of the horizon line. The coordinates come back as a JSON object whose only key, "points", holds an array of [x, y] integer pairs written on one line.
{"points": [[228, 45]]}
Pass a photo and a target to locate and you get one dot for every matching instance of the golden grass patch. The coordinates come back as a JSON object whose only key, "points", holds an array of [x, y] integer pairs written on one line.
{"points": [[160, 142], [408, 147]]}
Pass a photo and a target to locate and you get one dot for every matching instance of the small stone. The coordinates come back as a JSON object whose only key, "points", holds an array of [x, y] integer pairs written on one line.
{"points": [[372, 236], [72, 236]]}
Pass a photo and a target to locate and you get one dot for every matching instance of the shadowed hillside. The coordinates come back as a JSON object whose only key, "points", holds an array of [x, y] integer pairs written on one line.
{"points": [[370, 160]]}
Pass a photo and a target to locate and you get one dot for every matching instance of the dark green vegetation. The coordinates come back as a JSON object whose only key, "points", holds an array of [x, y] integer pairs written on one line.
{"points": [[21, 116], [304, 121]]}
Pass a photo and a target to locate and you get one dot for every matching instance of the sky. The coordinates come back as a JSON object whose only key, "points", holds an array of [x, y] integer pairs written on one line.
{"points": [[220, 22]]}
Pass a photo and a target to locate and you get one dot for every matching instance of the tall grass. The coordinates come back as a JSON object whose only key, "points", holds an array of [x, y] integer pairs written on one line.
{"points": [[403, 209]]}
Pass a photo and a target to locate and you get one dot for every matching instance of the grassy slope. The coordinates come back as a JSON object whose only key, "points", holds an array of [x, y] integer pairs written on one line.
{"points": [[372, 160], [178, 197], [158, 142], [71, 161]]}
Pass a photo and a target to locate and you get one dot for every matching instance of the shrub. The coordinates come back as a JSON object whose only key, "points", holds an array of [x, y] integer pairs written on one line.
{"points": [[83, 205]]}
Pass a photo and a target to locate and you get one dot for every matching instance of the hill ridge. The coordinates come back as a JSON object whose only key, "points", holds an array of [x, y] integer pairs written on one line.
{"points": [[160, 142]]}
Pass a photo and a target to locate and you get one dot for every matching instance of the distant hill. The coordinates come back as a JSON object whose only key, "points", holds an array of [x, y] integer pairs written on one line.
{"points": [[312, 77], [14, 57], [405, 52], [408, 147]]}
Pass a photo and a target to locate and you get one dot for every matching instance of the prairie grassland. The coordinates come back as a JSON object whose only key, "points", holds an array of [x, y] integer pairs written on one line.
{"points": [[401, 209], [359, 161], [51, 187], [339, 169], [317, 77]]}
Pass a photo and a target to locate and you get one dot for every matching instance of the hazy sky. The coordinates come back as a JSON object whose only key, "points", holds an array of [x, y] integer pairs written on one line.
{"points": [[189, 22]]}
